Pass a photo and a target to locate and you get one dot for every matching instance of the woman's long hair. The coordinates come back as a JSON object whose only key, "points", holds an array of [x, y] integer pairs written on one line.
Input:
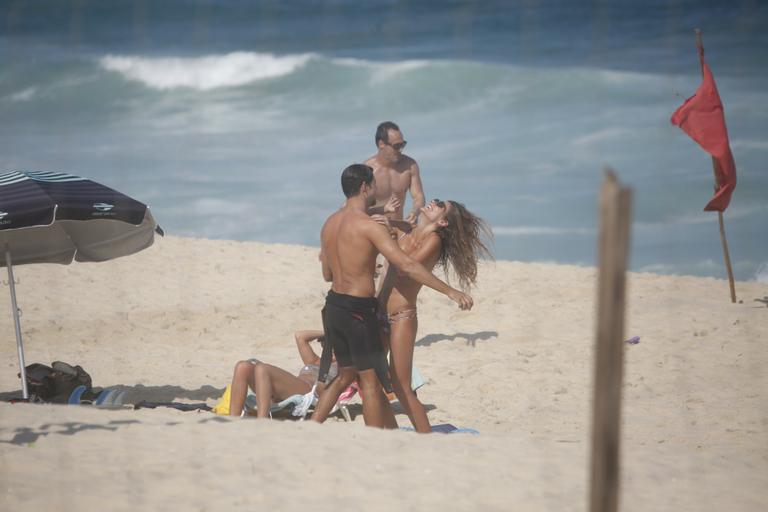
{"points": [[463, 244]]}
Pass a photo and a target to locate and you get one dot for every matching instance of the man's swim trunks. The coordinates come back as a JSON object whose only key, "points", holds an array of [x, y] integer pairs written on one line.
{"points": [[352, 333]]}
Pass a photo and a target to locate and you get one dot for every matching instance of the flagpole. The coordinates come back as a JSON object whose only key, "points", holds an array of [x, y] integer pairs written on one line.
{"points": [[724, 242]]}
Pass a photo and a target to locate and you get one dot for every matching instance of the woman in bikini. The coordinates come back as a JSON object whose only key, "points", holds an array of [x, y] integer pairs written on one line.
{"points": [[272, 384], [446, 234]]}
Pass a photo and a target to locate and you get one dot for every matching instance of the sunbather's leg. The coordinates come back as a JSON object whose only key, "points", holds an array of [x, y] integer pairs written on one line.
{"points": [[376, 409], [402, 340], [273, 383], [242, 378], [331, 394]]}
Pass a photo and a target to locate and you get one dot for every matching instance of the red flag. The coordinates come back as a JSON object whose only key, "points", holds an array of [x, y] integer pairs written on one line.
{"points": [[702, 118]]}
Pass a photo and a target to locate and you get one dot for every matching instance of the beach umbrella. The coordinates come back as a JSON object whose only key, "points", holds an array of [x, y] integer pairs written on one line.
{"points": [[53, 217]]}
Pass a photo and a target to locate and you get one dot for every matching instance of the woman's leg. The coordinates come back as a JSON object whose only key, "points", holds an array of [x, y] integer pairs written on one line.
{"points": [[273, 383], [242, 378], [402, 340]]}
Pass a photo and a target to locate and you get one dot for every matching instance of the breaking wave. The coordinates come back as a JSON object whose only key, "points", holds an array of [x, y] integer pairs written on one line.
{"points": [[204, 73], [539, 231], [761, 275]]}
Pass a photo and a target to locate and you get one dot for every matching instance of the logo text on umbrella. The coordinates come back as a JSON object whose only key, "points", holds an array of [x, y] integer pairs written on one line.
{"points": [[103, 207]]}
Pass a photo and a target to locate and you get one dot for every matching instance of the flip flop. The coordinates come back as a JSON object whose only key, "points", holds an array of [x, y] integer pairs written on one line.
{"points": [[77, 393], [103, 397], [115, 399]]}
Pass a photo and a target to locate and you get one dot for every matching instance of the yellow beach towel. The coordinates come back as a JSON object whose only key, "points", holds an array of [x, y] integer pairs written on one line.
{"points": [[222, 406]]}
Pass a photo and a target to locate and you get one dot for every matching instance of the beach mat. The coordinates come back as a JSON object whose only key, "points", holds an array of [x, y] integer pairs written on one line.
{"points": [[447, 428], [181, 406]]}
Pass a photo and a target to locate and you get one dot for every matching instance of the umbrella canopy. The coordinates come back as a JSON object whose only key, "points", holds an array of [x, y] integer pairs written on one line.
{"points": [[53, 217]]}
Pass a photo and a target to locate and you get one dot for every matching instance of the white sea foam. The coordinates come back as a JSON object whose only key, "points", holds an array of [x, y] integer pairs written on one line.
{"points": [[750, 144], [704, 267], [539, 231], [23, 95], [600, 136], [203, 73], [761, 275], [383, 71], [691, 219], [209, 206], [624, 77]]}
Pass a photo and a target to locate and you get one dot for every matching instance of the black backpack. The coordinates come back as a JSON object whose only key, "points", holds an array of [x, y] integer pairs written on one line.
{"points": [[55, 383], [39, 382]]}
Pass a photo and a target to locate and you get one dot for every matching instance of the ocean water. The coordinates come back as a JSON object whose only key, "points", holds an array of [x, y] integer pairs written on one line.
{"points": [[234, 119]]}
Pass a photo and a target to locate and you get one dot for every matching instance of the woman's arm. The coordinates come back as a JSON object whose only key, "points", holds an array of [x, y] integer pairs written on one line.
{"points": [[428, 253], [303, 338]]}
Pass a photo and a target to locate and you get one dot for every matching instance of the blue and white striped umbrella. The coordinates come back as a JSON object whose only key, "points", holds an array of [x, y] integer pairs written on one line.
{"points": [[53, 217]]}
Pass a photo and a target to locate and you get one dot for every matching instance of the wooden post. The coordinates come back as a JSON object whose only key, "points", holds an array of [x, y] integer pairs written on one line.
{"points": [[726, 255], [613, 248], [723, 241]]}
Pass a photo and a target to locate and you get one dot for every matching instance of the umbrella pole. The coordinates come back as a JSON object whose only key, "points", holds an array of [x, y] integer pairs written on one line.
{"points": [[17, 324]]}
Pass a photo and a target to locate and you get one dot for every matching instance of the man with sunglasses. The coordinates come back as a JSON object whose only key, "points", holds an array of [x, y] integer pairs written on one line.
{"points": [[395, 173]]}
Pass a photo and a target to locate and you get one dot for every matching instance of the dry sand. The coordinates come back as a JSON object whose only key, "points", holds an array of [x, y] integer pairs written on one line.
{"points": [[169, 324]]}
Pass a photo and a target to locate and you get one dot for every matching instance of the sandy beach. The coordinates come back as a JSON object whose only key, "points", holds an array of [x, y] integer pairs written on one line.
{"points": [[168, 324]]}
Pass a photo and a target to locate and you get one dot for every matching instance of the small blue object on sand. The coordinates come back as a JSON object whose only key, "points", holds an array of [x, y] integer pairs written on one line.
{"points": [[116, 398], [634, 340], [447, 428], [77, 393], [103, 397]]}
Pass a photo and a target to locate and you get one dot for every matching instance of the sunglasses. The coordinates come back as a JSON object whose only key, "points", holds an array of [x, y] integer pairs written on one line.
{"points": [[440, 204], [398, 146]]}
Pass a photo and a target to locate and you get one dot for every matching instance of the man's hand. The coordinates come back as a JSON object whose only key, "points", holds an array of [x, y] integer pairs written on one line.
{"points": [[412, 218], [381, 219], [401, 225], [392, 205], [384, 221], [462, 299]]}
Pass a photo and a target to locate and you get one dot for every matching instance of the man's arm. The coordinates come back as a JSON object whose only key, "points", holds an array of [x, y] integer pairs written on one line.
{"points": [[417, 194], [426, 252], [327, 273], [326, 267], [379, 237], [402, 225]]}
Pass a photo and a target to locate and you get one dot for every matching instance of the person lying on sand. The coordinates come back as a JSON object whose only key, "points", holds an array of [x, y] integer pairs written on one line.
{"points": [[272, 384], [449, 234]]}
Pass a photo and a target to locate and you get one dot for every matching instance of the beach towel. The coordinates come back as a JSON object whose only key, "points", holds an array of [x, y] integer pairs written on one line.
{"points": [[298, 404], [174, 405], [446, 428], [222, 406]]}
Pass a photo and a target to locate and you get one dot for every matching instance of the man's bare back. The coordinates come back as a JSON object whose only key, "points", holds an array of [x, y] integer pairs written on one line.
{"points": [[349, 254]]}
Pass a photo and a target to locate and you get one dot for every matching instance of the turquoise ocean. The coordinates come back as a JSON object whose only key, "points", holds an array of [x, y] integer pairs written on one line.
{"points": [[233, 119]]}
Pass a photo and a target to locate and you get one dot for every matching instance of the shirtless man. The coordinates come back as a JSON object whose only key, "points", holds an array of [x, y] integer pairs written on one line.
{"points": [[350, 241], [395, 173]]}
